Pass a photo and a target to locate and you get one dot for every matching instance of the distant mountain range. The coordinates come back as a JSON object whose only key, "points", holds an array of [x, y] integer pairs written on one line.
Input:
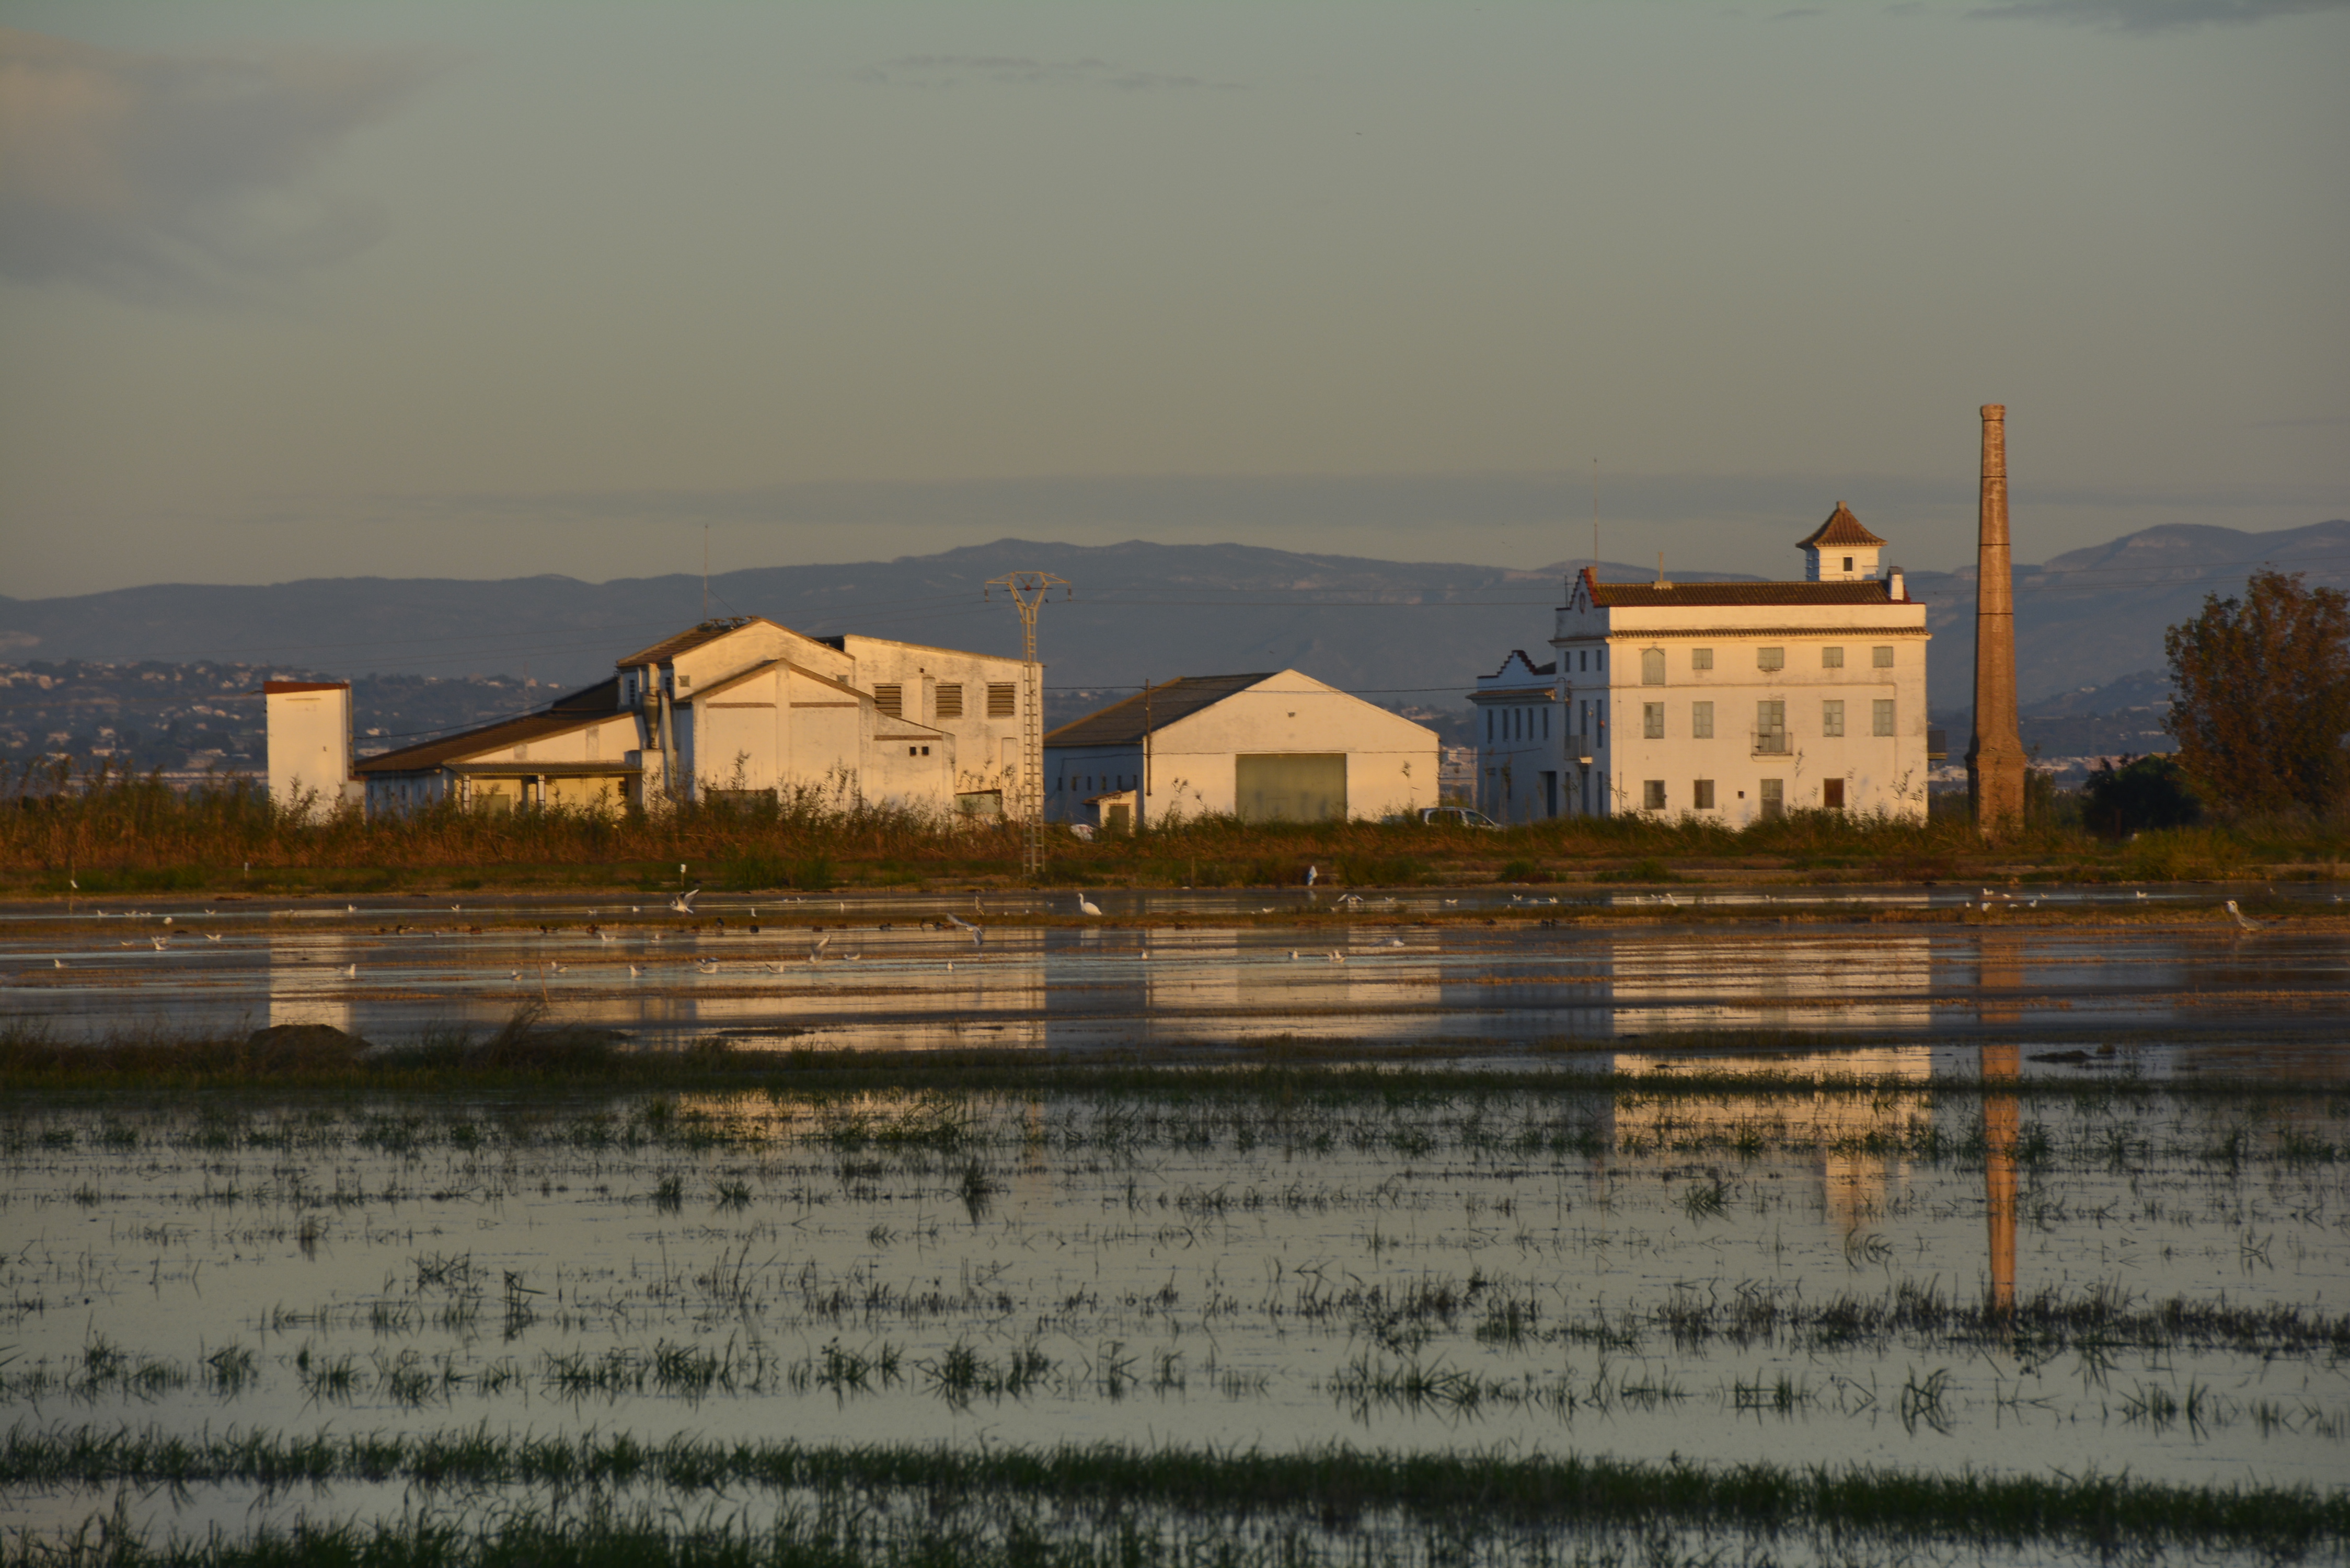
{"points": [[1409, 635]]}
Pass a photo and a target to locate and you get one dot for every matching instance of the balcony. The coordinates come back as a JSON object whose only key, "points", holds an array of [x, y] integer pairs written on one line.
{"points": [[1772, 744]]}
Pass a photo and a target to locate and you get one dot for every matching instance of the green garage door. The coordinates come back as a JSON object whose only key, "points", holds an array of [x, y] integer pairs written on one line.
{"points": [[1291, 786]]}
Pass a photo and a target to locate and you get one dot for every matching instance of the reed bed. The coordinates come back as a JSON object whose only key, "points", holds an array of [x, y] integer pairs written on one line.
{"points": [[103, 829], [1198, 1492]]}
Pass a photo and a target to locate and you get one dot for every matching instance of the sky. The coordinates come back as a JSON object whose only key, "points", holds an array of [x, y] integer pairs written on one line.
{"points": [[494, 289]]}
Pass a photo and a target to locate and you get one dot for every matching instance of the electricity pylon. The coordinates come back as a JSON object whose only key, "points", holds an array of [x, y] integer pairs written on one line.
{"points": [[1027, 591]]}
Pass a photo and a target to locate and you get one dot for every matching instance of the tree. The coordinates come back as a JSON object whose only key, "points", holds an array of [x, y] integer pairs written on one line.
{"points": [[2138, 793], [2261, 695]]}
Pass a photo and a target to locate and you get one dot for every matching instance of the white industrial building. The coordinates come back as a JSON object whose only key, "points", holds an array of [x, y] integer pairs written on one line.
{"points": [[737, 708], [1267, 747], [1726, 701], [309, 728]]}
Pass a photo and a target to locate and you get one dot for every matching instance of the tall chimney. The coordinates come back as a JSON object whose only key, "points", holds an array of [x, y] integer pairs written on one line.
{"points": [[1996, 759]]}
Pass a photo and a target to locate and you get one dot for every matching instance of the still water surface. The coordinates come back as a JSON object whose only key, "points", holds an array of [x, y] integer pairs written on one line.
{"points": [[1917, 1276]]}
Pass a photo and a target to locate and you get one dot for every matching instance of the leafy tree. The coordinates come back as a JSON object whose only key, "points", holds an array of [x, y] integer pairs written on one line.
{"points": [[2141, 792], [2261, 694]]}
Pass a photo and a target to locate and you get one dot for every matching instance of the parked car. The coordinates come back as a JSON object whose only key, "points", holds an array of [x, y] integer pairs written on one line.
{"points": [[1456, 816]]}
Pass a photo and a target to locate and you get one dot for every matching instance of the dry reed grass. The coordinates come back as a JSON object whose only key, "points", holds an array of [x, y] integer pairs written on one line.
{"points": [[105, 829]]}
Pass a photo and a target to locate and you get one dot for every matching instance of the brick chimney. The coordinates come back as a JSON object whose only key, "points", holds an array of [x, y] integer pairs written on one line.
{"points": [[1996, 759]]}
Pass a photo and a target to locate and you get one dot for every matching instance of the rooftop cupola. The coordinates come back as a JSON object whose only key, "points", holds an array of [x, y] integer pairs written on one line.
{"points": [[1839, 550]]}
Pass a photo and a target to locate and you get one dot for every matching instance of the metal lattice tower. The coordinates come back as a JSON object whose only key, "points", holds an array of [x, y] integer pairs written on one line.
{"points": [[1027, 591]]}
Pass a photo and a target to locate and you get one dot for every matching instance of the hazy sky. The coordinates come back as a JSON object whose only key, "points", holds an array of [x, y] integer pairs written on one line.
{"points": [[486, 290]]}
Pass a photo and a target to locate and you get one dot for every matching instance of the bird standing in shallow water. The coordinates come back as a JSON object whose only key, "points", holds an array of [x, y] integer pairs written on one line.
{"points": [[2246, 921], [1087, 906]]}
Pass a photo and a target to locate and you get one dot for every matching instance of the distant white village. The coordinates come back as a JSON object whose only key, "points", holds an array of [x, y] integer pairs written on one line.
{"points": [[1722, 701]]}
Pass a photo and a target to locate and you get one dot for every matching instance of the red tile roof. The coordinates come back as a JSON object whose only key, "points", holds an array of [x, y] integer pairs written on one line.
{"points": [[1647, 596], [1841, 529]]}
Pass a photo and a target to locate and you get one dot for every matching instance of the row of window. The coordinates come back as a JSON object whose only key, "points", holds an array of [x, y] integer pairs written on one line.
{"points": [[1002, 699], [1086, 782], [1773, 792], [1652, 661], [1518, 723], [1769, 721]]}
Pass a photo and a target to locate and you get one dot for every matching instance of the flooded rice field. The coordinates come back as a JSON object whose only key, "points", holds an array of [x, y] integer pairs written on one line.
{"points": [[1030, 971], [1919, 1270], [1996, 1238]]}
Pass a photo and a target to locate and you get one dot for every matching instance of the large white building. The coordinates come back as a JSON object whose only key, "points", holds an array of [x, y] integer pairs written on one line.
{"points": [[737, 708], [1268, 747], [1727, 702]]}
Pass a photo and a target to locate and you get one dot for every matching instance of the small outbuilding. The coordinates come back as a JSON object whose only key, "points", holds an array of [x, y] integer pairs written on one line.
{"points": [[1277, 747]]}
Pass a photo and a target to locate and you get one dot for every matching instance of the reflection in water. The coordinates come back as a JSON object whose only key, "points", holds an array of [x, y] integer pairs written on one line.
{"points": [[2001, 1062], [1855, 1135], [1999, 977], [1771, 982], [308, 984]]}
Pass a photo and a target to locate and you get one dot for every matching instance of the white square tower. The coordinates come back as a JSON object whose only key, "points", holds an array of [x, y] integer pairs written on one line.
{"points": [[309, 742], [1839, 550]]}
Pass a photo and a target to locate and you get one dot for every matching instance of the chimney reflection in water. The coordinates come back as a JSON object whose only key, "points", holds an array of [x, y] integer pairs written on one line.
{"points": [[1999, 975]]}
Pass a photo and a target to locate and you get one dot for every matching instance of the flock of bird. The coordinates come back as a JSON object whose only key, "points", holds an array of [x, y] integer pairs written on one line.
{"points": [[682, 903]]}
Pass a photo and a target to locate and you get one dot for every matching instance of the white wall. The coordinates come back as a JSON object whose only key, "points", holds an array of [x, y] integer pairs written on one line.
{"points": [[1880, 773], [1391, 762], [309, 727], [983, 760]]}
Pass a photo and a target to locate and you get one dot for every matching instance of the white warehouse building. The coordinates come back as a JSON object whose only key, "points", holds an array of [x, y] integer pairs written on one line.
{"points": [[1279, 747], [739, 709], [1727, 702]]}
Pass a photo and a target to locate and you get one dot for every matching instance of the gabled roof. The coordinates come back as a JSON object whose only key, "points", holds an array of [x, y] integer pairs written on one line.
{"points": [[1121, 723], [1521, 655], [1647, 595], [662, 652], [1841, 529], [720, 688], [575, 711]]}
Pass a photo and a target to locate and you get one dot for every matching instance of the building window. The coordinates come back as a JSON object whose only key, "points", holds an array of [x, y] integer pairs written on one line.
{"points": [[1832, 795], [1583, 659], [1831, 658], [1770, 728], [1652, 667], [1832, 716], [1847, 563], [1001, 703], [1770, 658], [1702, 720], [1774, 799], [1701, 795], [1700, 659], [1489, 726], [1882, 657], [951, 702], [1545, 713], [1599, 659], [1652, 794], [1881, 716], [1652, 721], [891, 700]]}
